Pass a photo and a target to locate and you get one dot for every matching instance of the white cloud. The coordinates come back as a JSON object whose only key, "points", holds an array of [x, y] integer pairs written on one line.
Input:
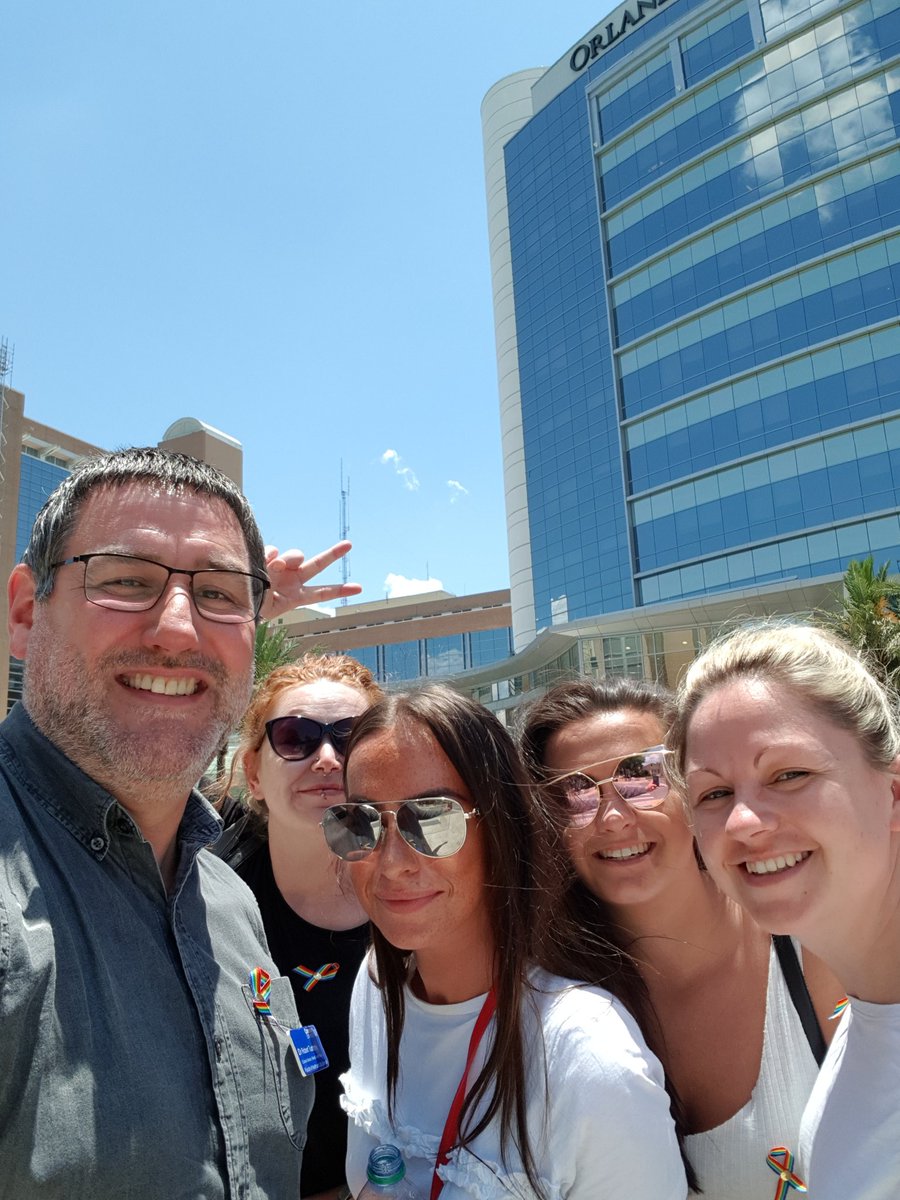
{"points": [[407, 474], [401, 585], [456, 490], [326, 609]]}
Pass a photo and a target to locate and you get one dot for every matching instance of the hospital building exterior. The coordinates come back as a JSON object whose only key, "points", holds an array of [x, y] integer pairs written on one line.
{"points": [[694, 222]]}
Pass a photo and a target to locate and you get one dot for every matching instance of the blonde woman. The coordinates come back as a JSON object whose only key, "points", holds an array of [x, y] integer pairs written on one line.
{"points": [[788, 750]]}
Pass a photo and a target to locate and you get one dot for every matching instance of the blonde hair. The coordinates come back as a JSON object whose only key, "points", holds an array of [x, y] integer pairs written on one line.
{"points": [[816, 665], [336, 668]]}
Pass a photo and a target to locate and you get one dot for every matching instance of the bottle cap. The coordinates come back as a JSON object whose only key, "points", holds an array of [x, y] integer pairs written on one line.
{"points": [[386, 1166]]}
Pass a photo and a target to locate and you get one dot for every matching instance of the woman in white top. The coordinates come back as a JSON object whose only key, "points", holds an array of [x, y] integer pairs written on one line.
{"points": [[724, 1023], [788, 750], [562, 1101]]}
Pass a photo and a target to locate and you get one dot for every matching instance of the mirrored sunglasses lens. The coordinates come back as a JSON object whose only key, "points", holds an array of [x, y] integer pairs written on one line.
{"points": [[294, 738], [351, 830], [582, 800], [436, 828], [641, 781]]}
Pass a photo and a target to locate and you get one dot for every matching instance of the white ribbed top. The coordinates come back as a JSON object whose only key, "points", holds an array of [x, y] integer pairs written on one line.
{"points": [[730, 1160]]}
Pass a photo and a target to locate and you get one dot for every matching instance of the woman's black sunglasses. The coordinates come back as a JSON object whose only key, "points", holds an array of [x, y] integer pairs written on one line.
{"points": [[295, 738]]}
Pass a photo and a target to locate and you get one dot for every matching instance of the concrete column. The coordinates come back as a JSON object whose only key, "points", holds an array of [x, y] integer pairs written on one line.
{"points": [[504, 110]]}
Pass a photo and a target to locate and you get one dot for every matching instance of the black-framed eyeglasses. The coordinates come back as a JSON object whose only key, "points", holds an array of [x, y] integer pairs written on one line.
{"points": [[296, 738], [126, 583], [638, 778], [434, 826]]}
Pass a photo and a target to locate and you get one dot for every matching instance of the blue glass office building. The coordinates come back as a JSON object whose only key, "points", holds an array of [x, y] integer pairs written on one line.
{"points": [[37, 478], [695, 224]]}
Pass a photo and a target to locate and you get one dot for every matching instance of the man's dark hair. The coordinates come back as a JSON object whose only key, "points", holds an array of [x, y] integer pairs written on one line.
{"points": [[172, 472]]}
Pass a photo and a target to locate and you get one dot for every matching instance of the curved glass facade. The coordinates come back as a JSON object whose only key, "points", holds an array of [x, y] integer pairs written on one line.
{"points": [[704, 235]]}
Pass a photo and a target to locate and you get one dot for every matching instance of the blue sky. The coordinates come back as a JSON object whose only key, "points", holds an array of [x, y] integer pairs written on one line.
{"points": [[271, 216]]}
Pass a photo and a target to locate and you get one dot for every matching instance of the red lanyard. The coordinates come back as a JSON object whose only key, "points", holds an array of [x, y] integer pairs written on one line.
{"points": [[451, 1126]]}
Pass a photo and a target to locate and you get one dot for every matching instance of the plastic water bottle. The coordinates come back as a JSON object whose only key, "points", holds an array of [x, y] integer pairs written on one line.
{"points": [[387, 1177]]}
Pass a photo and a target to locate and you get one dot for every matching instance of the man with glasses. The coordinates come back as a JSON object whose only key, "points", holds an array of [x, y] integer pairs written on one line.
{"points": [[143, 1049]]}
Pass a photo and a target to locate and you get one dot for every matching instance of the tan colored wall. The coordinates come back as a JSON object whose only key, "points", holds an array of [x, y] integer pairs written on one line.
{"points": [[54, 437], [229, 459], [356, 626]]}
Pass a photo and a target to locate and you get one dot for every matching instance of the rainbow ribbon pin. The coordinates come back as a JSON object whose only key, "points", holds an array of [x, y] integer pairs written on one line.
{"points": [[260, 986], [839, 1008], [326, 971], [781, 1161]]}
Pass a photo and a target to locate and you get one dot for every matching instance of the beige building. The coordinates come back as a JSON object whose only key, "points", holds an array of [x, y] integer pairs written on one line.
{"points": [[431, 636], [190, 436]]}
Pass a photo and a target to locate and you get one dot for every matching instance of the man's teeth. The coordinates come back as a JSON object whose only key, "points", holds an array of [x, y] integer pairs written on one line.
{"points": [[627, 851], [767, 866], [164, 687]]}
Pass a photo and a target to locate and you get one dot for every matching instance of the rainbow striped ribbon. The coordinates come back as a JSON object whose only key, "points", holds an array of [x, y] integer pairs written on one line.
{"points": [[839, 1008], [781, 1161], [260, 986], [326, 971]]}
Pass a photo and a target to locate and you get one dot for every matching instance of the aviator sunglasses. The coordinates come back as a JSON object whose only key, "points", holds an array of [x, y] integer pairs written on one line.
{"points": [[435, 827], [295, 738], [639, 779]]}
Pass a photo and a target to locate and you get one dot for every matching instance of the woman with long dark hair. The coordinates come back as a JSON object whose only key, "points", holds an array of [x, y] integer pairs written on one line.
{"points": [[493, 1076], [730, 1012]]}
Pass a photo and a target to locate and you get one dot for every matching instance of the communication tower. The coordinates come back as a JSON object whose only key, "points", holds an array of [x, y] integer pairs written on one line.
{"points": [[7, 353], [345, 528]]}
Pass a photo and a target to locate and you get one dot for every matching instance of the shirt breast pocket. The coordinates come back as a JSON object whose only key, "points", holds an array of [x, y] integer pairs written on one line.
{"points": [[295, 1091]]}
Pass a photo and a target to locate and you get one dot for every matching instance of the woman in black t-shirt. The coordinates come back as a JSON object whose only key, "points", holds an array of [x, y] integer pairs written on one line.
{"points": [[292, 741]]}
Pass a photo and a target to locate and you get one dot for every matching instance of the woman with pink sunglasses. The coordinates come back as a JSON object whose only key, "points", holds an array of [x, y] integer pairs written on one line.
{"points": [[738, 1019]]}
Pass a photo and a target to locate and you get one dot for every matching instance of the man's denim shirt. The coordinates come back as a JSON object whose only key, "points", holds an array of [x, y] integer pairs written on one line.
{"points": [[132, 1063]]}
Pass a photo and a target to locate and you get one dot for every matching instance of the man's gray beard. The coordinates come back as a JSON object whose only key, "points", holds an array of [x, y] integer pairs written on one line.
{"points": [[166, 751], [114, 757]]}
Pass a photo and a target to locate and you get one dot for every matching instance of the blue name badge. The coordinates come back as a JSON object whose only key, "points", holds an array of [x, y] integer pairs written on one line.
{"points": [[308, 1051]]}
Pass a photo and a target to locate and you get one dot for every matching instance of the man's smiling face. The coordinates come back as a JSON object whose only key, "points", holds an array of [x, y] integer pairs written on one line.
{"points": [[99, 683]]}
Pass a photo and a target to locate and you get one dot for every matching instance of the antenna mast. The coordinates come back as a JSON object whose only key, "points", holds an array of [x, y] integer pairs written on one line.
{"points": [[7, 353], [345, 528]]}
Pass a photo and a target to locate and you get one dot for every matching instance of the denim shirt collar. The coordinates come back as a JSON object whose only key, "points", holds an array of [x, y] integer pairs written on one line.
{"points": [[83, 806]]}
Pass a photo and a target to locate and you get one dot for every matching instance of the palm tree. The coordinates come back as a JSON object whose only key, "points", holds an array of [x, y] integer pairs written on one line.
{"points": [[867, 615], [273, 649]]}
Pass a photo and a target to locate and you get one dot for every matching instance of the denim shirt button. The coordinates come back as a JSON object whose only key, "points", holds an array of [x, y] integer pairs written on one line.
{"points": [[98, 844]]}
